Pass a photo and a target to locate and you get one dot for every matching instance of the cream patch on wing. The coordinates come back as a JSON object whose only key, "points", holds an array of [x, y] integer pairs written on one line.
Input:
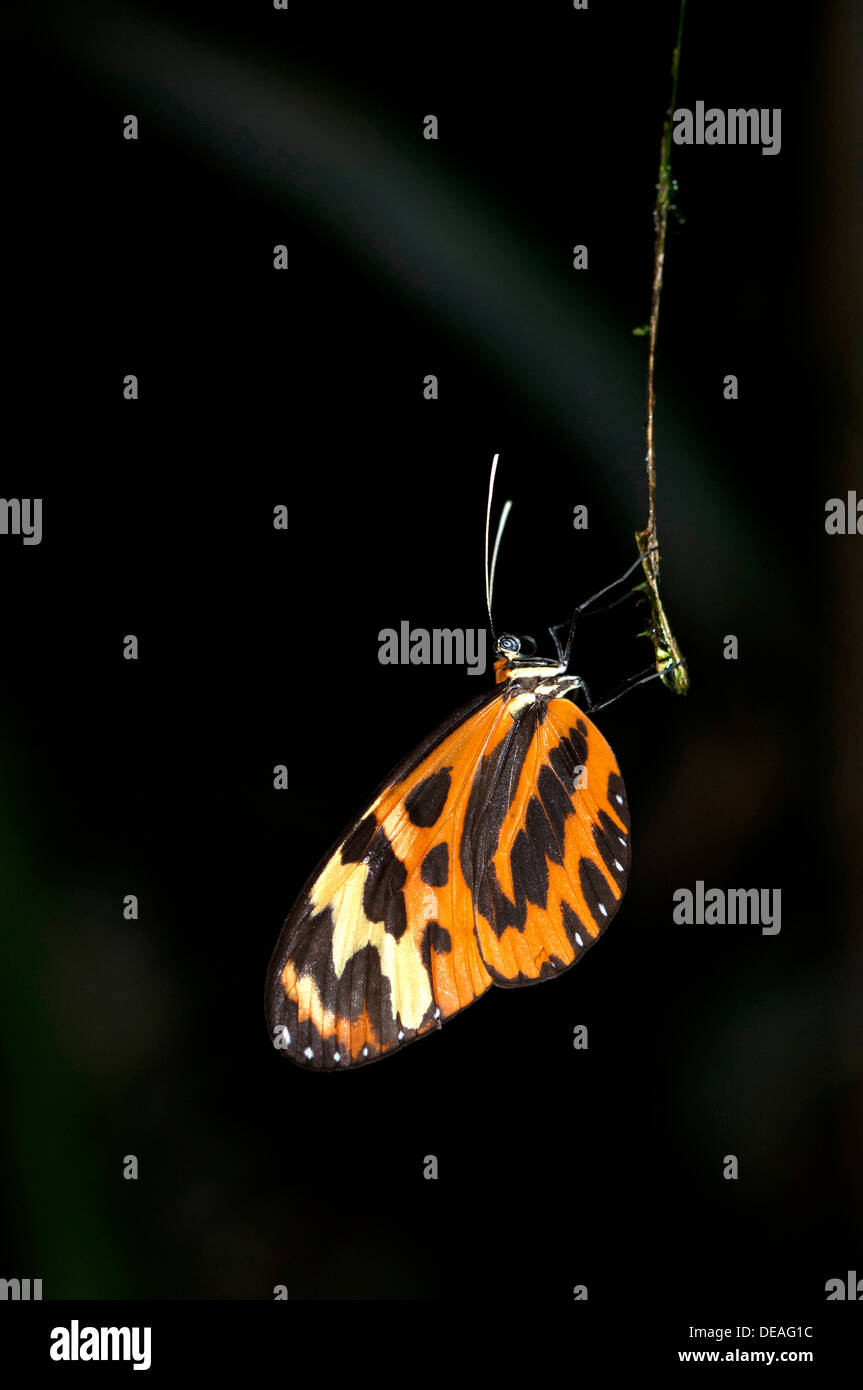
{"points": [[341, 887]]}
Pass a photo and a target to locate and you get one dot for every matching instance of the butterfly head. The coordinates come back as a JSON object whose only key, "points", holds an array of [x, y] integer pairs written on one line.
{"points": [[516, 660]]}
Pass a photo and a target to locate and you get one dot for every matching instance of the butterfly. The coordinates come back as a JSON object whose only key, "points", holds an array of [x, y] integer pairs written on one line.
{"points": [[495, 854]]}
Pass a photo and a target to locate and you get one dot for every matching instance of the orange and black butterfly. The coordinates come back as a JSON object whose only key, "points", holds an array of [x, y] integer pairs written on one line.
{"points": [[496, 854]]}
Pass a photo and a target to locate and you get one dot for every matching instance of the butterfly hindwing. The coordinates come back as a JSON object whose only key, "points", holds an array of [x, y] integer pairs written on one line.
{"points": [[495, 854], [551, 855]]}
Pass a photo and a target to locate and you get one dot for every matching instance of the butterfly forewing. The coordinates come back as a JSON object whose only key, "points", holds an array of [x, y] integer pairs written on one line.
{"points": [[380, 947]]}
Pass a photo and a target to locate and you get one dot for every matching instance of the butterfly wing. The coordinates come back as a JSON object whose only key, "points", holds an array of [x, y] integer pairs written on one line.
{"points": [[380, 947], [547, 832], [495, 854]]}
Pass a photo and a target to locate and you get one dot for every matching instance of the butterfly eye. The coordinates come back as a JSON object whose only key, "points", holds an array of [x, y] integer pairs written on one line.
{"points": [[509, 644]]}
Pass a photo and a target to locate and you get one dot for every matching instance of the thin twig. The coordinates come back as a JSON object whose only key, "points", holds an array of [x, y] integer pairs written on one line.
{"points": [[670, 663]]}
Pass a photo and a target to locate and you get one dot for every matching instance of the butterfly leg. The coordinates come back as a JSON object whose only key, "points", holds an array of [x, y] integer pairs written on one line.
{"points": [[564, 654], [630, 684], [606, 608], [614, 583]]}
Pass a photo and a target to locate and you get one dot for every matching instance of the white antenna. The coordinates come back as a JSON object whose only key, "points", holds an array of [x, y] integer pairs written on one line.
{"points": [[489, 572]]}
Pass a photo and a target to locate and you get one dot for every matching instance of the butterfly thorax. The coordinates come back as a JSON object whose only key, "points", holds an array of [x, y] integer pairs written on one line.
{"points": [[532, 680], [505, 668]]}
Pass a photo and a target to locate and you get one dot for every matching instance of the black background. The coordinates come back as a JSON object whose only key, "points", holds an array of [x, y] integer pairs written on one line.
{"points": [[259, 647]]}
